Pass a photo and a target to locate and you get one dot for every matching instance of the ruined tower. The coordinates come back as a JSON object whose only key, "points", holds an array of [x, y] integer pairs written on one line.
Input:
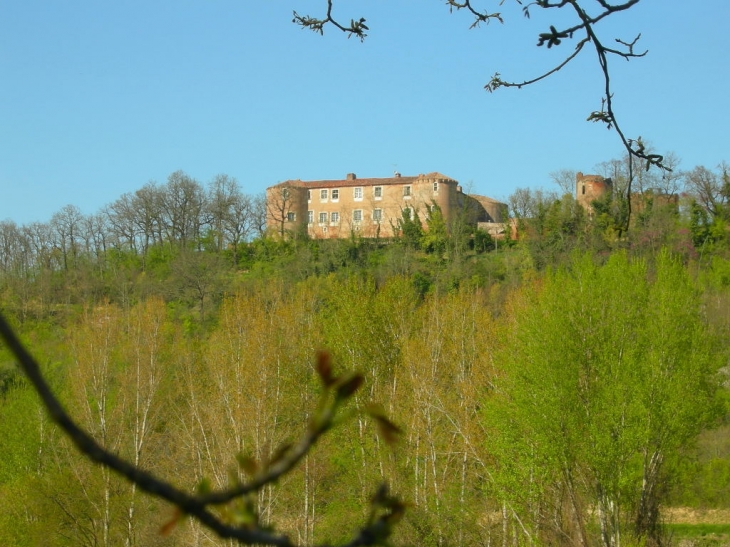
{"points": [[589, 188]]}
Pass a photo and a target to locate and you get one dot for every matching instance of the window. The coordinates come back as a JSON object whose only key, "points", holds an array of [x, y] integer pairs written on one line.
{"points": [[584, 189], [285, 193], [435, 187], [310, 217], [357, 192], [323, 195], [323, 218], [335, 194], [357, 216], [291, 217], [309, 195], [406, 191], [378, 192], [377, 215], [334, 218]]}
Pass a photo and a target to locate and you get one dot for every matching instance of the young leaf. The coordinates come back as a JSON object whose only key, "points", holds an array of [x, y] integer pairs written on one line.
{"points": [[204, 486], [248, 464], [387, 429], [169, 526], [347, 388], [324, 368]]}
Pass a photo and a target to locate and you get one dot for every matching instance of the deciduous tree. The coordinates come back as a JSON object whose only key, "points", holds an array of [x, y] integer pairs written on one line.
{"points": [[609, 372]]}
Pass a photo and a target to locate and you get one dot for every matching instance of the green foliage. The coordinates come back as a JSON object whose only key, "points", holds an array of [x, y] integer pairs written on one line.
{"points": [[473, 354], [435, 239], [608, 374], [483, 242], [411, 229], [557, 229]]}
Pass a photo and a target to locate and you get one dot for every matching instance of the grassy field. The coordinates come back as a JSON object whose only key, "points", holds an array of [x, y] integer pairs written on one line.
{"points": [[698, 528]]}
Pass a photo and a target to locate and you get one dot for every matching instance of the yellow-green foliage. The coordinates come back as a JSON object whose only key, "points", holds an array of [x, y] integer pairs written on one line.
{"points": [[519, 418]]}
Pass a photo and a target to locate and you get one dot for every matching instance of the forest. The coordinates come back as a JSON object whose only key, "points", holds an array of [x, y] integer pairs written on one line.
{"points": [[565, 387]]}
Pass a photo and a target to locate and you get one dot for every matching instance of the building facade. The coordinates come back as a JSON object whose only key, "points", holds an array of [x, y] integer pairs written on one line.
{"points": [[589, 188], [371, 207]]}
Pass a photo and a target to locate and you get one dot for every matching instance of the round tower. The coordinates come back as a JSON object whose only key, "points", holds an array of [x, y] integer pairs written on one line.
{"points": [[589, 188]]}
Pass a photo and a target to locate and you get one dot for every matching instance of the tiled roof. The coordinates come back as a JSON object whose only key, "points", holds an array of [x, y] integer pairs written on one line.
{"points": [[485, 199], [362, 182]]}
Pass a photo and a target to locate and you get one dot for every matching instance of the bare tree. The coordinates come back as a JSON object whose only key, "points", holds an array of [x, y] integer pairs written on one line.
{"points": [[565, 180], [66, 225], [10, 246], [222, 192], [231, 214], [711, 189], [120, 216], [525, 203], [184, 204], [279, 208], [259, 214]]}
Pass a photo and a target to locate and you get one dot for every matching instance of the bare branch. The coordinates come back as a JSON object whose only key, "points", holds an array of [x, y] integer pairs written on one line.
{"points": [[357, 28], [497, 82], [479, 16]]}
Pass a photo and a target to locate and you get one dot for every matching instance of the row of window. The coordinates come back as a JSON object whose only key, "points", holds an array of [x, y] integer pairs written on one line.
{"points": [[326, 194], [333, 218]]}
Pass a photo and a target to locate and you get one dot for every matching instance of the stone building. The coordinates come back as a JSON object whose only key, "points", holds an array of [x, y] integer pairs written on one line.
{"points": [[371, 207], [589, 188]]}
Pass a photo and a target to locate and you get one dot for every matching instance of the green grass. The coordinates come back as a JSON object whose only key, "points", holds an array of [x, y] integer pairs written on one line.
{"points": [[700, 535], [695, 530]]}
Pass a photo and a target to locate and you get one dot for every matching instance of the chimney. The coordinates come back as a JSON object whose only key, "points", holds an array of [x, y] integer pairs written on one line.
{"points": [[351, 176]]}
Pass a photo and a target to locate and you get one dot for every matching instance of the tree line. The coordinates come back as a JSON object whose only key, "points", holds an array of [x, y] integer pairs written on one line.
{"points": [[180, 213]]}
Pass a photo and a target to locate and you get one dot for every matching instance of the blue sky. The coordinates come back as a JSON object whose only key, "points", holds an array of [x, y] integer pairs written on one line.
{"points": [[98, 98]]}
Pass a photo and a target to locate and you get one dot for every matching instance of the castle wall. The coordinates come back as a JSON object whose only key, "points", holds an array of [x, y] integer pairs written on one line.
{"points": [[589, 188]]}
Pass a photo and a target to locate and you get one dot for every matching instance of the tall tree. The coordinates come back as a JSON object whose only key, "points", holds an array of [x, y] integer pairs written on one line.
{"points": [[184, 207], [711, 189], [609, 372], [66, 225]]}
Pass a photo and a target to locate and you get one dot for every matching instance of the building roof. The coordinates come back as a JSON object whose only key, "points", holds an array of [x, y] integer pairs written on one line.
{"points": [[485, 199], [364, 182]]}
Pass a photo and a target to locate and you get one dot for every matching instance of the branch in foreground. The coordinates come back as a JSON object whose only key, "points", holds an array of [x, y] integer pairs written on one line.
{"points": [[385, 509], [357, 28], [553, 37]]}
